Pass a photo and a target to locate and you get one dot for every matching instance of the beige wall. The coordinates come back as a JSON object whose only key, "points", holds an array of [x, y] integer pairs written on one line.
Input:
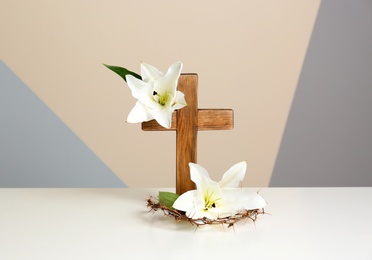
{"points": [[248, 55]]}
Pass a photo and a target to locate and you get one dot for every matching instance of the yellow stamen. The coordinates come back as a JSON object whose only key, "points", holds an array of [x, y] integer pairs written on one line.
{"points": [[208, 202]]}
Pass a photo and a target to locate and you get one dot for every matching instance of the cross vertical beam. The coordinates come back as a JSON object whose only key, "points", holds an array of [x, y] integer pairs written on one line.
{"points": [[186, 133]]}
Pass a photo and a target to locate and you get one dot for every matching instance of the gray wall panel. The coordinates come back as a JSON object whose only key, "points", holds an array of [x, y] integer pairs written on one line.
{"points": [[37, 149], [328, 136]]}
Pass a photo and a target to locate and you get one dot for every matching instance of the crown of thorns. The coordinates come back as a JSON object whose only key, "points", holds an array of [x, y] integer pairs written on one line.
{"points": [[154, 205]]}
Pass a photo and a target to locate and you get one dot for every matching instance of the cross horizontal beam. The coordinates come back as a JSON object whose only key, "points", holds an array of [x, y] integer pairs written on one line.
{"points": [[208, 119]]}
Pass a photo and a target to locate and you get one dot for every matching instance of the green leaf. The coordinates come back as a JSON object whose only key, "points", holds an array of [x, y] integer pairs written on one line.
{"points": [[122, 72], [167, 198]]}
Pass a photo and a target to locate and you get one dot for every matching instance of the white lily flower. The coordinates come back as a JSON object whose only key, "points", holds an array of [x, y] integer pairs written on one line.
{"points": [[215, 200], [156, 93]]}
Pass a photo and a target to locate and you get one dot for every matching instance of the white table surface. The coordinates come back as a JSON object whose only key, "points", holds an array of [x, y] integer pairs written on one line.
{"points": [[304, 223]]}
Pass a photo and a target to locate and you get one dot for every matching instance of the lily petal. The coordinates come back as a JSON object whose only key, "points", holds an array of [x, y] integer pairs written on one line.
{"points": [[163, 116], [235, 200], [179, 100], [233, 176], [185, 202], [211, 214], [168, 83], [195, 170], [199, 175], [149, 73], [142, 91], [139, 113], [239, 199], [139, 88]]}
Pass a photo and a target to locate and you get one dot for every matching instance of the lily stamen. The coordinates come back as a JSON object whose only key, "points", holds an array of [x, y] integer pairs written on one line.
{"points": [[208, 202], [161, 99]]}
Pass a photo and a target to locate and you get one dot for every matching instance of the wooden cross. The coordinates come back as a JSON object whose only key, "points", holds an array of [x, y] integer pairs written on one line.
{"points": [[186, 122]]}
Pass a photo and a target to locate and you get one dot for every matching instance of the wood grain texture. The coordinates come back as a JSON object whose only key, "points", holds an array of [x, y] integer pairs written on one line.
{"points": [[187, 132], [215, 119]]}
